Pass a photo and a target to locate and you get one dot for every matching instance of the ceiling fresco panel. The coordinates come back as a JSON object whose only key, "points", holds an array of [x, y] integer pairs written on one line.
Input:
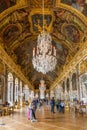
{"points": [[72, 33], [80, 5], [11, 33], [69, 28], [15, 27], [5, 4]]}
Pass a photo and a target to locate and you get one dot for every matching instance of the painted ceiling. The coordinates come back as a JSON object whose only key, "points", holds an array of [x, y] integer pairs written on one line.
{"points": [[21, 21]]}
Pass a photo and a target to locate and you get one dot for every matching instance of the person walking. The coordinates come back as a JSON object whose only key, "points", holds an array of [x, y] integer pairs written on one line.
{"points": [[57, 103], [32, 112], [62, 106], [52, 103]]}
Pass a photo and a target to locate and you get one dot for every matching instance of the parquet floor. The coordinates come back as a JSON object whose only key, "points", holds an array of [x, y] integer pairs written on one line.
{"points": [[46, 121]]}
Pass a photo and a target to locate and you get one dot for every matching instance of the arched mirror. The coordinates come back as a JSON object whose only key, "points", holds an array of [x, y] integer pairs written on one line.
{"points": [[67, 84], [10, 89], [63, 86], [74, 87], [84, 85]]}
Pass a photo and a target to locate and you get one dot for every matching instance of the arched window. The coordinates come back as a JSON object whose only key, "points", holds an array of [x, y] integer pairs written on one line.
{"points": [[16, 89], [26, 92], [84, 85]]}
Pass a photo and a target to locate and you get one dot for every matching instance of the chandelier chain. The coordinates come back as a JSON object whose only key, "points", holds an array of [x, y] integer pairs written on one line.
{"points": [[43, 13]]}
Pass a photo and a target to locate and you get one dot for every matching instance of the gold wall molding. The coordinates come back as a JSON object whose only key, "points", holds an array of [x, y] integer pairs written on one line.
{"points": [[14, 68], [81, 54]]}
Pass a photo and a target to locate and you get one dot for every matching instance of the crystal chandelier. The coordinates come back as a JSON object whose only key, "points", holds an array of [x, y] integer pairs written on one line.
{"points": [[44, 55]]}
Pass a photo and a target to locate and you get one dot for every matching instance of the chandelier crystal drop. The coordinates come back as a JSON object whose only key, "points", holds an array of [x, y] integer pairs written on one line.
{"points": [[44, 55]]}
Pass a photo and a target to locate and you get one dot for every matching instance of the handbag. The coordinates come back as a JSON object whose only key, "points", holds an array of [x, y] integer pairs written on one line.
{"points": [[28, 114]]}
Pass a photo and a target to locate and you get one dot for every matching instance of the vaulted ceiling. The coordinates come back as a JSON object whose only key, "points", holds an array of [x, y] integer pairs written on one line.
{"points": [[21, 22]]}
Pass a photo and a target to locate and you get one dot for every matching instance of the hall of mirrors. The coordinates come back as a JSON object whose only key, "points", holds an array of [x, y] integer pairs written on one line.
{"points": [[72, 87], [55, 68]]}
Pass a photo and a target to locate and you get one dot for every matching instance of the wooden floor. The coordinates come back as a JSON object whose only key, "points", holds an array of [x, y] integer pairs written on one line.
{"points": [[46, 121]]}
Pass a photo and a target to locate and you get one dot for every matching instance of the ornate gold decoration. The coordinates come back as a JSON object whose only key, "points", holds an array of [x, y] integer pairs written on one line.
{"points": [[57, 2], [38, 3], [36, 20], [79, 19]]}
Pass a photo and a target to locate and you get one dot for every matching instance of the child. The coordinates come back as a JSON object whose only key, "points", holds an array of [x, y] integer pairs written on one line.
{"points": [[32, 113]]}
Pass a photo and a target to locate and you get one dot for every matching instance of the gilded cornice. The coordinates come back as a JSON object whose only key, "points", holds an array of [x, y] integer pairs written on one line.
{"points": [[14, 68], [72, 65]]}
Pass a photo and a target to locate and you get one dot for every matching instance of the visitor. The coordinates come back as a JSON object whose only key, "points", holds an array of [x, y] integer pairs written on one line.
{"points": [[57, 103], [62, 106], [52, 103], [32, 112]]}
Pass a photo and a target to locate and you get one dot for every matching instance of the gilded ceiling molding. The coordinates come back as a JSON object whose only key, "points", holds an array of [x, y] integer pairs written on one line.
{"points": [[15, 45], [57, 2], [20, 4], [72, 65], [74, 11], [14, 68]]}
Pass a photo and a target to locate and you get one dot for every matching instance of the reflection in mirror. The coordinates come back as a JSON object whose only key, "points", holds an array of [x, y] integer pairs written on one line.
{"points": [[74, 87], [84, 85], [68, 85]]}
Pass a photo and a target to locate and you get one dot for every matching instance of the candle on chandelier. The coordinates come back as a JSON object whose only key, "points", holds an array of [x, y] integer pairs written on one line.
{"points": [[51, 48], [54, 51], [34, 51], [37, 50]]}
